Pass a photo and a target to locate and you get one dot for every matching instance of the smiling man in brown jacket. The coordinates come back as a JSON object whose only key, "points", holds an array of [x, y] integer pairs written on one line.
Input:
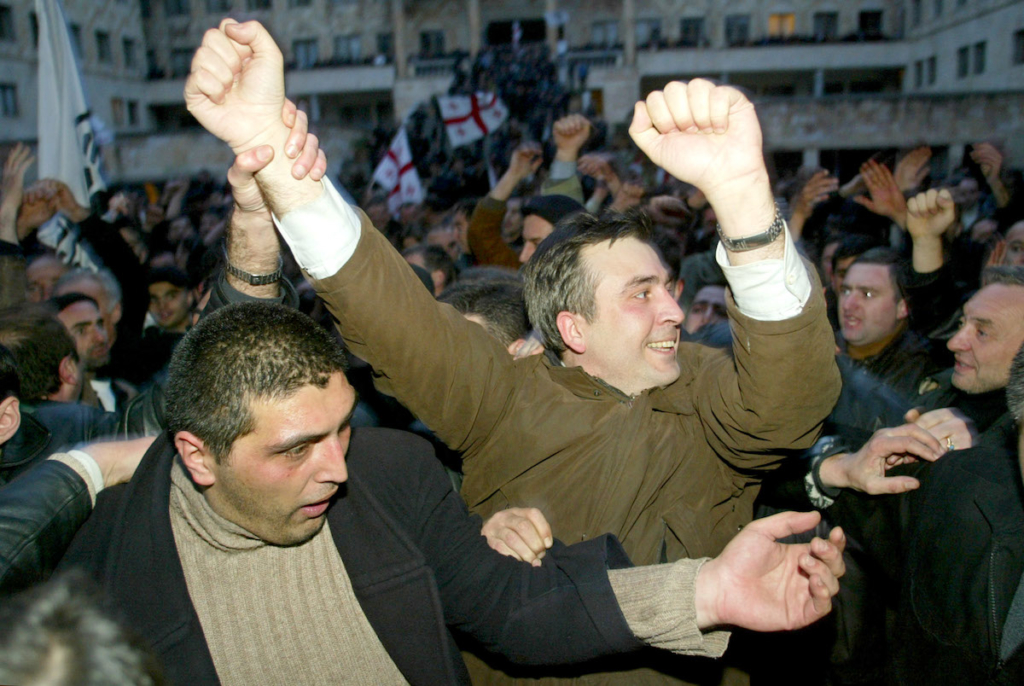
{"points": [[620, 427]]}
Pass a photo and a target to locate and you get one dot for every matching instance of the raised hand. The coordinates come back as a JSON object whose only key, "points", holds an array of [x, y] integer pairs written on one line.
{"points": [[988, 158], [519, 532], [760, 584], [930, 214], [912, 168], [236, 88], [709, 136], [525, 160], [885, 197], [13, 189], [948, 425], [570, 134]]}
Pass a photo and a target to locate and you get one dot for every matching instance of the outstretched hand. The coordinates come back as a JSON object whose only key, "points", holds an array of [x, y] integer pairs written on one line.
{"points": [[865, 470], [236, 87], [760, 584], [885, 197]]}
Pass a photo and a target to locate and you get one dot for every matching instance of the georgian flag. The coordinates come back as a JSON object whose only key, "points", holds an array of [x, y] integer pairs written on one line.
{"points": [[468, 118], [397, 174], [68, 150]]}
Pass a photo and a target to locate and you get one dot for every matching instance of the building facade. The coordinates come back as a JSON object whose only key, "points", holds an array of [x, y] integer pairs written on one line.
{"points": [[829, 76]]}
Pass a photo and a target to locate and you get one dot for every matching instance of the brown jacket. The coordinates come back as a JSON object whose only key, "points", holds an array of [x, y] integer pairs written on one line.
{"points": [[671, 467]]}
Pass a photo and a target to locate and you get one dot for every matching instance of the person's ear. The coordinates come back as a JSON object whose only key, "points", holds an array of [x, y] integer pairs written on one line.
{"points": [[515, 345], [902, 311], [67, 370], [10, 418], [569, 327], [115, 314], [196, 457], [677, 289]]}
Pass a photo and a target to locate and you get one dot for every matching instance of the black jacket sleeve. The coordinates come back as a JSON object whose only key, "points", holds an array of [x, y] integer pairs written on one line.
{"points": [[40, 512]]}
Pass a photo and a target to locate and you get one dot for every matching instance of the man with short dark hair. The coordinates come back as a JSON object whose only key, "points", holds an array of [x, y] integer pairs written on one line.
{"points": [[874, 313], [498, 306], [262, 489]]}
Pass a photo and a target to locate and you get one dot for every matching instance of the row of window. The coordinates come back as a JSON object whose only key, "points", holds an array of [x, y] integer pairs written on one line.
{"points": [[970, 59], [104, 45], [938, 7], [737, 28], [122, 111], [177, 8]]}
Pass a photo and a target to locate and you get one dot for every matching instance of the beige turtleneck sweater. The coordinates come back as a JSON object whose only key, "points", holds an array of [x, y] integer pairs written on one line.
{"points": [[273, 615]]}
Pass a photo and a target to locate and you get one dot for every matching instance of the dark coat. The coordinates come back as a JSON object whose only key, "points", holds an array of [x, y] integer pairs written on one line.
{"points": [[418, 565], [954, 549]]}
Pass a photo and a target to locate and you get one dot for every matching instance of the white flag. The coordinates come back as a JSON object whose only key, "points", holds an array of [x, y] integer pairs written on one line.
{"points": [[468, 118], [397, 174], [68, 150]]}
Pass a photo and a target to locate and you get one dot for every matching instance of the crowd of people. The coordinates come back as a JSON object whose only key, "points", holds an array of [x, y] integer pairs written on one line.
{"points": [[647, 353]]}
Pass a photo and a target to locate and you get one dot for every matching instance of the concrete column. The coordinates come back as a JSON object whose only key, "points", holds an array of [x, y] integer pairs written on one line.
{"points": [[812, 158], [398, 37], [956, 154], [550, 7], [819, 83], [629, 32], [475, 32]]}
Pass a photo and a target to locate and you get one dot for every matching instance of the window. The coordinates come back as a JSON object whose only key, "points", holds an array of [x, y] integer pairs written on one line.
{"points": [[648, 32], [103, 52], [133, 113], [938, 7], [6, 23], [305, 52], [979, 57], [930, 69], [218, 6], [826, 26], [258, 4], [146, 8], [737, 29], [8, 100], [385, 44], [432, 42], [781, 25], [76, 40], [915, 13], [961, 3], [299, 3], [691, 32], [117, 111], [605, 33], [33, 24], [348, 48], [181, 61], [128, 52], [175, 8], [962, 62], [870, 24], [918, 73], [1018, 47]]}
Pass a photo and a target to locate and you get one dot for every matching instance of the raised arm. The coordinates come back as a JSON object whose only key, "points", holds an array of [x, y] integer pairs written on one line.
{"points": [[484, 235]]}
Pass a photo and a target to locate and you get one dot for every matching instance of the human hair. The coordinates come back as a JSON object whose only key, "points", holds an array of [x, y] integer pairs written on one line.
{"points": [[499, 303], [1015, 388], [1005, 275], [558, 278], [55, 633], [465, 207], [10, 382], [39, 342], [240, 354], [852, 245], [435, 258], [887, 257], [102, 276]]}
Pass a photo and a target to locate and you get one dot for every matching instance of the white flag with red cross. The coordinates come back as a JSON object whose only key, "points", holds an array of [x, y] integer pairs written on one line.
{"points": [[468, 118], [397, 174]]}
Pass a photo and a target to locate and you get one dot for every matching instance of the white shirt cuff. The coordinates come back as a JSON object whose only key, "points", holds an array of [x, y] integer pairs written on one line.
{"points": [[85, 466], [322, 234], [768, 290]]}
